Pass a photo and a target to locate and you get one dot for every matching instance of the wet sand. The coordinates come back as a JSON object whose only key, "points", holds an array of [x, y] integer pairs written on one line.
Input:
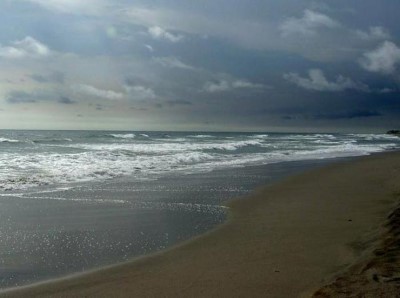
{"points": [[329, 232]]}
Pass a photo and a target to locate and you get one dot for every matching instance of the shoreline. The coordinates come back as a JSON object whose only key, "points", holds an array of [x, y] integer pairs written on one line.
{"points": [[258, 251]]}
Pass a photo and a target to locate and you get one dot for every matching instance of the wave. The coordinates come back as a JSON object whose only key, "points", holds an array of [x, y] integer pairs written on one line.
{"points": [[123, 136], [343, 150], [146, 158], [45, 169], [55, 140], [375, 137], [261, 136], [201, 136], [309, 136], [168, 147], [4, 140]]}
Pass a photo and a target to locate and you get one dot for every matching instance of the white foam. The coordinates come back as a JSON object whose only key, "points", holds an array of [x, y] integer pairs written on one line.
{"points": [[201, 136], [52, 140], [123, 136], [261, 136], [168, 147], [373, 137], [309, 137], [91, 200], [4, 140], [43, 169], [149, 158]]}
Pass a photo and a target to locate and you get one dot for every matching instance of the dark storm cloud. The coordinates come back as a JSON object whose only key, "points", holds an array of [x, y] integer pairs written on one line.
{"points": [[17, 97], [66, 100], [179, 102], [23, 97], [316, 80], [255, 63], [55, 77], [349, 115]]}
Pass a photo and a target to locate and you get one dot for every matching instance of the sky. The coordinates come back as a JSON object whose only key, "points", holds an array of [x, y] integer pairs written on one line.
{"points": [[221, 65]]}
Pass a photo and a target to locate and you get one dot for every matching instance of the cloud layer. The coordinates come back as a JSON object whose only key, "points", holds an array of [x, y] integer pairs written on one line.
{"points": [[241, 65], [93, 91], [159, 33], [27, 47], [317, 81], [383, 59], [308, 24]]}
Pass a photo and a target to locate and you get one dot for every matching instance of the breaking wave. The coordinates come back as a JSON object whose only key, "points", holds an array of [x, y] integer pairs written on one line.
{"points": [[76, 157]]}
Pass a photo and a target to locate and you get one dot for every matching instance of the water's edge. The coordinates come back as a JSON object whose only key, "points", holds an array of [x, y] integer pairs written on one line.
{"points": [[298, 168]]}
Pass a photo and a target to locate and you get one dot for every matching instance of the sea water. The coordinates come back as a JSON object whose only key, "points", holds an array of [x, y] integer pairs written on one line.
{"points": [[76, 200]]}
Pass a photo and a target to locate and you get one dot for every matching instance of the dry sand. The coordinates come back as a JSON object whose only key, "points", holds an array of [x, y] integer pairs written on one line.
{"points": [[323, 227]]}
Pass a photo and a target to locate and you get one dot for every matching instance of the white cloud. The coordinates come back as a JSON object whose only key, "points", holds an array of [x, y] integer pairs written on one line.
{"points": [[245, 84], [383, 59], [373, 33], [140, 92], [149, 47], [224, 85], [93, 91], [73, 6], [159, 33], [172, 62], [308, 24], [317, 81], [242, 31], [27, 47], [387, 90], [261, 34], [217, 86]]}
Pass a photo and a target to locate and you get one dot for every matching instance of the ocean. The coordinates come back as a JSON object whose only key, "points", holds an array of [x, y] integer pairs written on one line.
{"points": [[71, 201]]}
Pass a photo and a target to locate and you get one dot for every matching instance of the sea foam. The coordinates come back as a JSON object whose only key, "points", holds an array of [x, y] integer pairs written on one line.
{"points": [[79, 157]]}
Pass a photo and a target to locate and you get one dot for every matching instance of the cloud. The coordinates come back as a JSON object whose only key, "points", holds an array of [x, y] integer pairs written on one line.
{"points": [[55, 77], [27, 47], [66, 100], [157, 32], [387, 90], [374, 33], [224, 85], [17, 97], [149, 47], [383, 59], [73, 6], [21, 97], [140, 92], [308, 24], [172, 62], [178, 102], [217, 86], [317, 81], [173, 103], [93, 91], [349, 115], [201, 23], [245, 84], [265, 29]]}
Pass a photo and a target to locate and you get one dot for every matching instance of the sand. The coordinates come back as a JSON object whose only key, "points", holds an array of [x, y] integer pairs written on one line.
{"points": [[325, 232]]}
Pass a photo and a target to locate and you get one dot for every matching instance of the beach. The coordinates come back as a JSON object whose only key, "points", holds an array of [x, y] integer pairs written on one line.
{"points": [[297, 237], [199, 148]]}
